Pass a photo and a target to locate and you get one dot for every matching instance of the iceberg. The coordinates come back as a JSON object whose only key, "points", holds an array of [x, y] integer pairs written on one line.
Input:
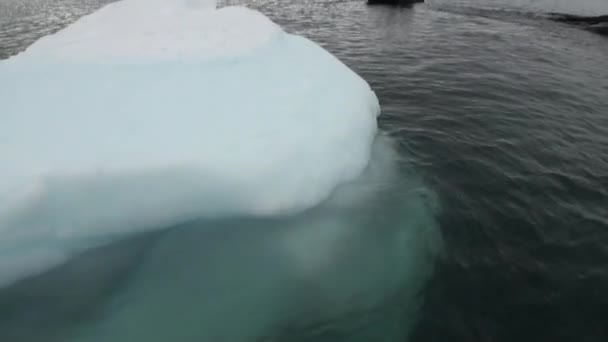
{"points": [[145, 114], [170, 171]]}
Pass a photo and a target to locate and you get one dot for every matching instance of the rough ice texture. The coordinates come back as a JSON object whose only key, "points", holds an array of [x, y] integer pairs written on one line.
{"points": [[150, 113]]}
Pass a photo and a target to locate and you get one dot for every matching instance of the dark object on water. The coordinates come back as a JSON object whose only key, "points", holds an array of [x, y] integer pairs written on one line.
{"points": [[394, 2], [598, 24]]}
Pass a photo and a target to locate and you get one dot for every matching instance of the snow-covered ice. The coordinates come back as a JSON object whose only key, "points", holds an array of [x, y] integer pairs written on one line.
{"points": [[147, 113]]}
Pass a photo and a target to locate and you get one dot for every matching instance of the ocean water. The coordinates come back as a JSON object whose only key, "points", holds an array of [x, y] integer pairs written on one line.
{"points": [[501, 120]]}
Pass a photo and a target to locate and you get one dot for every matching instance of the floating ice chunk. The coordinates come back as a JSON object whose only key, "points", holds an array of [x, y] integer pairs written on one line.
{"points": [[149, 113]]}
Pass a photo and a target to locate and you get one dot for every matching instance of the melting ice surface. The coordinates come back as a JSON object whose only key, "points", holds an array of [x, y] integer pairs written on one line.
{"points": [[152, 114]]}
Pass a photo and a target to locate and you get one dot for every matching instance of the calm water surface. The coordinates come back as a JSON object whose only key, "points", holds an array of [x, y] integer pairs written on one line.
{"points": [[505, 116]]}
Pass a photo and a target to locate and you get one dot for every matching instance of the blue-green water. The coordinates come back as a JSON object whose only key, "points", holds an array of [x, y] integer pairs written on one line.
{"points": [[501, 119]]}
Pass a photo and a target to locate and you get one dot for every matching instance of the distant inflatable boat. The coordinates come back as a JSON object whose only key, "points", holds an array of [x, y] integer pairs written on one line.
{"points": [[597, 24]]}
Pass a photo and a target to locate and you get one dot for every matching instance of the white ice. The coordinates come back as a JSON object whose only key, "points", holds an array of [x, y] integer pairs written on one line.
{"points": [[150, 113]]}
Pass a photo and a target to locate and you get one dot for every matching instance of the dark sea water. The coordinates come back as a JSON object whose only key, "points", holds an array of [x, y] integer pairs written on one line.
{"points": [[503, 113]]}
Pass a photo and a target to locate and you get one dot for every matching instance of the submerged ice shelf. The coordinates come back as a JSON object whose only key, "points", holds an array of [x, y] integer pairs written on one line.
{"points": [[349, 270]]}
